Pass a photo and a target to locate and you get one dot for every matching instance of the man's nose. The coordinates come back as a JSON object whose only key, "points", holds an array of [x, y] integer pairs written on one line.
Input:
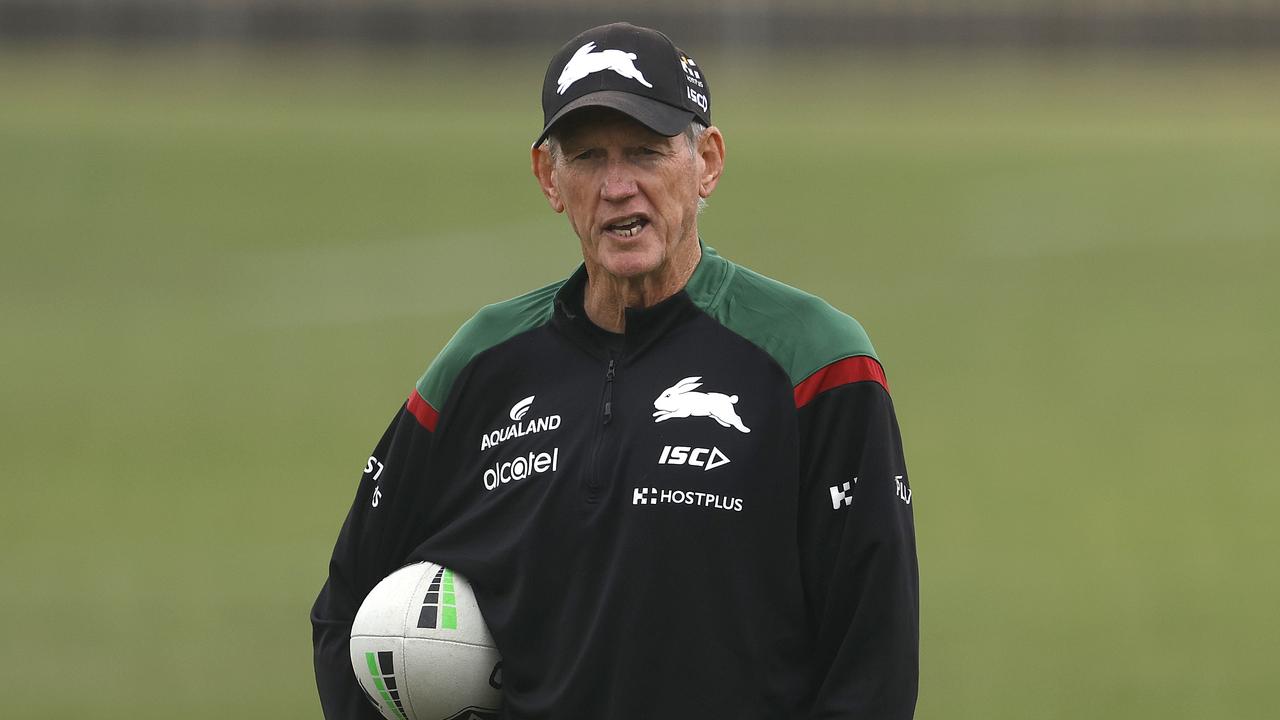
{"points": [[619, 182]]}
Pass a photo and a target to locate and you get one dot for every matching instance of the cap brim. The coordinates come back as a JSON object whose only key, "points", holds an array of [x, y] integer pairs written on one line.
{"points": [[658, 116]]}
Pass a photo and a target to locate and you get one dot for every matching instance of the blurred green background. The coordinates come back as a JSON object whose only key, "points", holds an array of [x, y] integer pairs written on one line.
{"points": [[223, 273]]}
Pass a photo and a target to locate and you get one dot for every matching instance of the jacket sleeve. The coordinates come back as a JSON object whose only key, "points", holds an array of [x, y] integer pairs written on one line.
{"points": [[380, 531], [857, 540]]}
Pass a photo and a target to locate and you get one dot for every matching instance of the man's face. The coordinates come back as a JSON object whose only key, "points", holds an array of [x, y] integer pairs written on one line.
{"points": [[630, 194]]}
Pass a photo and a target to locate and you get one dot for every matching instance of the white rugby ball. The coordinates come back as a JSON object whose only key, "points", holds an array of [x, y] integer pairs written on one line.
{"points": [[421, 650]]}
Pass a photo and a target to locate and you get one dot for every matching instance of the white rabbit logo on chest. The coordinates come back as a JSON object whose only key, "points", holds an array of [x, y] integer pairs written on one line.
{"points": [[680, 401]]}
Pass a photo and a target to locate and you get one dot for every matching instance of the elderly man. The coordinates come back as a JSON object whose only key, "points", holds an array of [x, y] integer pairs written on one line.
{"points": [[676, 486]]}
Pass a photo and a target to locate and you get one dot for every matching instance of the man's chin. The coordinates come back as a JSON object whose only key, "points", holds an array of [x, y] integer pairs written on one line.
{"points": [[631, 264]]}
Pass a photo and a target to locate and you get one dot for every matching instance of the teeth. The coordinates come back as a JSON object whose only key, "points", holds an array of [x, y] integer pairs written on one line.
{"points": [[628, 227]]}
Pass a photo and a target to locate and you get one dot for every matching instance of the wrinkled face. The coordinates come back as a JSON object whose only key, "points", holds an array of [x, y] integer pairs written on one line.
{"points": [[630, 194]]}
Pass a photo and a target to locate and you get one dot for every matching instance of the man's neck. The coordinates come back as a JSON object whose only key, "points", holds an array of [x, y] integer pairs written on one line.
{"points": [[607, 297]]}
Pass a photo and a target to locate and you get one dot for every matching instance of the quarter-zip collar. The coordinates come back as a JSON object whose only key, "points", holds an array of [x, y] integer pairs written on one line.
{"points": [[643, 325]]}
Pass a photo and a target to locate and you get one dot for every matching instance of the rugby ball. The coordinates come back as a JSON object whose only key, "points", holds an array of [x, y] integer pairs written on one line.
{"points": [[421, 650]]}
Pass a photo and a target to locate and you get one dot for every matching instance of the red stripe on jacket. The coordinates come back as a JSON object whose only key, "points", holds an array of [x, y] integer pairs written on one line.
{"points": [[840, 372], [421, 409]]}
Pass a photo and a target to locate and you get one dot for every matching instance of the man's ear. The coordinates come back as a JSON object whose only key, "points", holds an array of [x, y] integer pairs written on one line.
{"points": [[544, 170], [710, 160]]}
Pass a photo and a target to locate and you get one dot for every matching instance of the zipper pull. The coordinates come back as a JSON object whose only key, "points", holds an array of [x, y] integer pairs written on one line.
{"points": [[608, 392]]}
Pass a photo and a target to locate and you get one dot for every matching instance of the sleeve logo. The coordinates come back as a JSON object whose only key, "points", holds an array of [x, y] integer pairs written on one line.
{"points": [[842, 495]]}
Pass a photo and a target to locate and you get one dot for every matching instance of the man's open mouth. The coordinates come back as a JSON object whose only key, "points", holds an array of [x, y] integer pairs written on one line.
{"points": [[628, 226]]}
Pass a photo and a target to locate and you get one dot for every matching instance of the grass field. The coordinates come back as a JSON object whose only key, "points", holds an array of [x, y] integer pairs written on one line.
{"points": [[222, 275]]}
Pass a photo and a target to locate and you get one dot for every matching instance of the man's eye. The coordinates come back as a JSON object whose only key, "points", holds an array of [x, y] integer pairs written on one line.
{"points": [[585, 155]]}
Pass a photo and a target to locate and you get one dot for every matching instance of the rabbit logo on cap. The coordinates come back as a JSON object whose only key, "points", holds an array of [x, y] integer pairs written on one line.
{"points": [[584, 62], [680, 401]]}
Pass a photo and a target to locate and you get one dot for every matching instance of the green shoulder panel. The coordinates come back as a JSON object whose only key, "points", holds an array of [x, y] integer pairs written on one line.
{"points": [[802, 332], [492, 325]]}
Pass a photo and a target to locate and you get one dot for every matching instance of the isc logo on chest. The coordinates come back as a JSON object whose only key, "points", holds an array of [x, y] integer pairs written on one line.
{"points": [[705, 458]]}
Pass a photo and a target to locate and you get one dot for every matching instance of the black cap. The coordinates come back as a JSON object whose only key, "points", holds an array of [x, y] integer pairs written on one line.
{"points": [[630, 69]]}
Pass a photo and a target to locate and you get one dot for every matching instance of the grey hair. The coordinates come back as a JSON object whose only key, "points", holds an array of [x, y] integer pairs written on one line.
{"points": [[691, 133]]}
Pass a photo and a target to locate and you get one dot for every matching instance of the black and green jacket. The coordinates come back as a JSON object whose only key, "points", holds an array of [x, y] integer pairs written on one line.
{"points": [[706, 517]]}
